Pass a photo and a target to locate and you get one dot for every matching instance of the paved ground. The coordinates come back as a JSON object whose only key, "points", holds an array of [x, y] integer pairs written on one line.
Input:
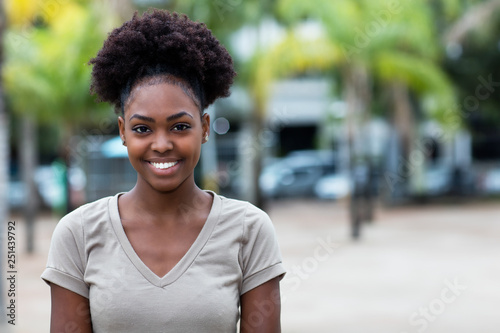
{"points": [[428, 269]]}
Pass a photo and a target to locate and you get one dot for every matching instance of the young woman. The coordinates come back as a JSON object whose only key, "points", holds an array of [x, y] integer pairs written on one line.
{"points": [[165, 256]]}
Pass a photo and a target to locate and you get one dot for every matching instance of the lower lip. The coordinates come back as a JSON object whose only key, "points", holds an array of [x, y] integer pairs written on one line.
{"points": [[164, 172]]}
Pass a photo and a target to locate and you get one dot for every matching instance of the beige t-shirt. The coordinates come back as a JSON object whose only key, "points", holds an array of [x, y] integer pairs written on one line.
{"points": [[235, 252]]}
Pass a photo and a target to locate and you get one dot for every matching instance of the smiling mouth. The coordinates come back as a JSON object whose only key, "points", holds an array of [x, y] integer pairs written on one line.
{"points": [[163, 166]]}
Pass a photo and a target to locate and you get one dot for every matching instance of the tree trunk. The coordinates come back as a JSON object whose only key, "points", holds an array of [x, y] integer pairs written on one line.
{"points": [[357, 95], [403, 116], [250, 159], [473, 17], [404, 123], [257, 127], [66, 155], [29, 162]]}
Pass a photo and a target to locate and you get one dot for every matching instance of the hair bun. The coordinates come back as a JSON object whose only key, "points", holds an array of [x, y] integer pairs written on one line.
{"points": [[159, 39]]}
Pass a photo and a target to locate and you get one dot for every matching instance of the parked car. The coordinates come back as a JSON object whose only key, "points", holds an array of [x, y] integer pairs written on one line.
{"points": [[296, 174], [490, 182], [50, 184], [437, 181], [333, 186]]}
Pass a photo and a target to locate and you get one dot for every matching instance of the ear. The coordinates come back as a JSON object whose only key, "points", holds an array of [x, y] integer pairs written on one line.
{"points": [[205, 125], [121, 127]]}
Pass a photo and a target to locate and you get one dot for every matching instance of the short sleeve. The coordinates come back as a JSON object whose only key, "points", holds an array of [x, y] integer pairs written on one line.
{"points": [[66, 261], [260, 253]]}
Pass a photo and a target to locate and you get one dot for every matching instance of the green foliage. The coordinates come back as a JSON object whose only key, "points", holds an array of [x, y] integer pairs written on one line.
{"points": [[291, 56], [479, 60], [223, 17], [424, 77], [396, 41], [46, 74], [363, 27], [450, 8]]}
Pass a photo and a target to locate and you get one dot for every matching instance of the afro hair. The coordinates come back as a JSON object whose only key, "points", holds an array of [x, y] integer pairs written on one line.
{"points": [[157, 43]]}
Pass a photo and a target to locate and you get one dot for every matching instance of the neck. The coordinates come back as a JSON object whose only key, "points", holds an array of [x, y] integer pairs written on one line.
{"points": [[178, 205]]}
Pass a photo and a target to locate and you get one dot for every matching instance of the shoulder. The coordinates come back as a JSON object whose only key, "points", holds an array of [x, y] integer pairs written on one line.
{"points": [[259, 255], [252, 219], [252, 213], [76, 219]]}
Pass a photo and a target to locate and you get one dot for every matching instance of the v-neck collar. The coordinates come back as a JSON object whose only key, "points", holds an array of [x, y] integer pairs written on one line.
{"points": [[188, 258]]}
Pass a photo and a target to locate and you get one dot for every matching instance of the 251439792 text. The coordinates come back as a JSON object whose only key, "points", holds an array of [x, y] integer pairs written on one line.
{"points": [[11, 272]]}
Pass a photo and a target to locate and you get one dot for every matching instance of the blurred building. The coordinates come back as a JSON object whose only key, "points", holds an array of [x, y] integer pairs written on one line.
{"points": [[299, 116]]}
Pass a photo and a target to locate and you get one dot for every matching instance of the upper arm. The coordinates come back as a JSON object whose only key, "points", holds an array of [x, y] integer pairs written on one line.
{"points": [[261, 308], [260, 256], [70, 311]]}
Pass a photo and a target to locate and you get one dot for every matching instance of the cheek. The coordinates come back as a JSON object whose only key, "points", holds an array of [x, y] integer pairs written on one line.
{"points": [[189, 148], [191, 145], [136, 147]]}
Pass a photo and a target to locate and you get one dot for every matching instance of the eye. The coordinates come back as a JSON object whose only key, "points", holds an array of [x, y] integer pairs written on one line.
{"points": [[141, 129], [181, 127]]}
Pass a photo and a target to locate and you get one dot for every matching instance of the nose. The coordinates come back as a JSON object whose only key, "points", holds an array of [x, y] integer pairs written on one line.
{"points": [[162, 143]]}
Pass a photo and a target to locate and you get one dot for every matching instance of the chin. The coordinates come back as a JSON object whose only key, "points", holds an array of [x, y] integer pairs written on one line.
{"points": [[167, 187], [164, 189]]}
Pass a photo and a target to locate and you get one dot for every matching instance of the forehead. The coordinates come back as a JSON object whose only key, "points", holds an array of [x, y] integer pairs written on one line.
{"points": [[159, 99]]}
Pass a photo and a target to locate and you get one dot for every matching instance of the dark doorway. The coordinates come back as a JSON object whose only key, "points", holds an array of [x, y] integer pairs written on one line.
{"points": [[297, 138]]}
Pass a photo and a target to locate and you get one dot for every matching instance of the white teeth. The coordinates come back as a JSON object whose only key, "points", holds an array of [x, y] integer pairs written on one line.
{"points": [[163, 165]]}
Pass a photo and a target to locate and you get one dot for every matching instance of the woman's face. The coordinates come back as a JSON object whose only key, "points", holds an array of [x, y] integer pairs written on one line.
{"points": [[163, 132]]}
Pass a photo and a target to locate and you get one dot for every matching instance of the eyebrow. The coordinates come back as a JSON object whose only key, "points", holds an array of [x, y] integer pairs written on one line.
{"points": [[169, 118], [141, 117], [179, 115]]}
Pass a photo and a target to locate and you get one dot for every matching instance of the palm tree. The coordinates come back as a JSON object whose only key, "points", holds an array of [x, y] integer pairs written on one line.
{"points": [[47, 80], [295, 54], [380, 42], [20, 13], [393, 44]]}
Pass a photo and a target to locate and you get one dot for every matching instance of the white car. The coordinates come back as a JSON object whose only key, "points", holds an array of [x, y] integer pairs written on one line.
{"points": [[296, 174], [334, 186]]}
